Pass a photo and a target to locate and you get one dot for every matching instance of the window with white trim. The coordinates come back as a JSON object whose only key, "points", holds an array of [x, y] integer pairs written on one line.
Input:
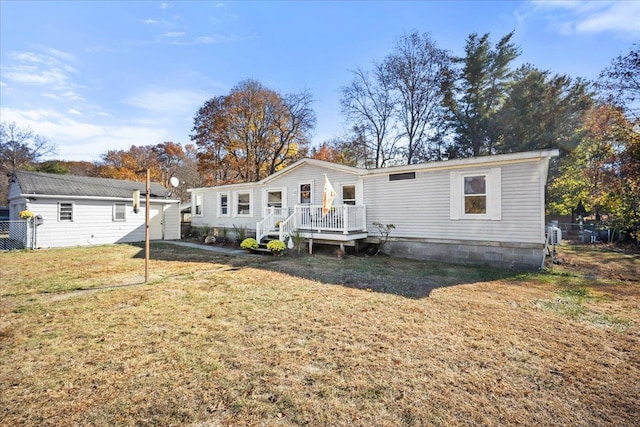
{"points": [[65, 211], [476, 194], [243, 206], [197, 204], [119, 212], [305, 193], [274, 198], [349, 194], [223, 199]]}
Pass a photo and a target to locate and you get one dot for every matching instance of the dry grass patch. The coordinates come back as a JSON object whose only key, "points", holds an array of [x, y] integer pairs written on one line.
{"points": [[216, 340]]}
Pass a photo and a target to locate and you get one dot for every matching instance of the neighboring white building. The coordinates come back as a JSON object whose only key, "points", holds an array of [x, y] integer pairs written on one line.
{"points": [[479, 210], [80, 211]]}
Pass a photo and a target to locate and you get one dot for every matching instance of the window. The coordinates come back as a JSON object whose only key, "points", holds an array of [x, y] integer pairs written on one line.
{"points": [[65, 211], [274, 199], [349, 194], [402, 176], [119, 210], [305, 194], [197, 201], [476, 195], [244, 204], [224, 204]]}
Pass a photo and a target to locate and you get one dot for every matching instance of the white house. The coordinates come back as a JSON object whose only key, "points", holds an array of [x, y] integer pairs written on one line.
{"points": [[478, 210], [78, 210]]}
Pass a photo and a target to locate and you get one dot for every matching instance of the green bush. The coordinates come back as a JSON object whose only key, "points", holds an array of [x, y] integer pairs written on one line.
{"points": [[249, 243], [276, 246]]}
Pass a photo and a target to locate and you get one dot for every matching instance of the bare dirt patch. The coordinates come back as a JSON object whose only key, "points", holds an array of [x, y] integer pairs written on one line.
{"points": [[218, 340]]}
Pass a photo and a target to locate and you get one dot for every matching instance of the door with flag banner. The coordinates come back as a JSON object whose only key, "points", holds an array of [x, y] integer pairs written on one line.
{"points": [[328, 195]]}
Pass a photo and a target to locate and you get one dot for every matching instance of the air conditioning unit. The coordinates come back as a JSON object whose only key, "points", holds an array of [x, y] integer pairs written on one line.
{"points": [[555, 235]]}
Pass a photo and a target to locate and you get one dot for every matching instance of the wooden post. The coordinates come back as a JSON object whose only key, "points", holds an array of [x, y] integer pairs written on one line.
{"points": [[146, 231]]}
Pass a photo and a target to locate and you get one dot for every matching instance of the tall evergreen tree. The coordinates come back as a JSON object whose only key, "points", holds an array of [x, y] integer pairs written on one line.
{"points": [[480, 91]]}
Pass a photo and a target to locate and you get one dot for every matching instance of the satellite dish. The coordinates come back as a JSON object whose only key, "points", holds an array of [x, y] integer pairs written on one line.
{"points": [[174, 181]]}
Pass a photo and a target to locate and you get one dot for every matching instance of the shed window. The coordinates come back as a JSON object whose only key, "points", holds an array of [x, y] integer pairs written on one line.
{"points": [[65, 211], [119, 210]]}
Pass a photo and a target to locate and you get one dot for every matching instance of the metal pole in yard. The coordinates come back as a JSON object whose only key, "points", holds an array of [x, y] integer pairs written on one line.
{"points": [[146, 231]]}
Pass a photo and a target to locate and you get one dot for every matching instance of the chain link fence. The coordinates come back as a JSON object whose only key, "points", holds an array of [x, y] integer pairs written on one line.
{"points": [[17, 235]]}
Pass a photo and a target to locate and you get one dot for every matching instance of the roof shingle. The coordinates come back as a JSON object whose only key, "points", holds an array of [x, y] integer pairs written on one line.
{"points": [[70, 185]]}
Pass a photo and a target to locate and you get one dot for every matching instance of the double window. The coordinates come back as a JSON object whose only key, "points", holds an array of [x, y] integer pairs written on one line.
{"points": [[476, 195]]}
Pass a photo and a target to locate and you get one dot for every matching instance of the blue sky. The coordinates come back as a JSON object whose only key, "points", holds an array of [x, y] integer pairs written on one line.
{"points": [[95, 76]]}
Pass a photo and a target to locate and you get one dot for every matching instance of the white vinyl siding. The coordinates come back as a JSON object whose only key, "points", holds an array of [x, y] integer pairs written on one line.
{"points": [[428, 216], [93, 223]]}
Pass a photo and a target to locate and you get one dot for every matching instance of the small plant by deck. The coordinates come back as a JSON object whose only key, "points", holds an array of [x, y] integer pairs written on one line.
{"points": [[249, 244], [298, 240], [276, 246], [384, 230], [240, 232], [26, 214]]}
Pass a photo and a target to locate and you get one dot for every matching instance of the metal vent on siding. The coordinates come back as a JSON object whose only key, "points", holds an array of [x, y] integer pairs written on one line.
{"points": [[401, 176]]}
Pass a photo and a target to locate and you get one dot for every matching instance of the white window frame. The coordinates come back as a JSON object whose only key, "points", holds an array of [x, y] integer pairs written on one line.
{"points": [[198, 197], [236, 200], [115, 212], [493, 190], [228, 196], [355, 194], [299, 192], [274, 190], [73, 208]]}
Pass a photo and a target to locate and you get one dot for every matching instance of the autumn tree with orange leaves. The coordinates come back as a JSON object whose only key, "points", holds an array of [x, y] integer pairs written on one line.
{"points": [[251, 133]]}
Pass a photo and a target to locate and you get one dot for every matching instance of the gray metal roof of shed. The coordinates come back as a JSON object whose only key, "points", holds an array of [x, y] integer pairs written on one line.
{"points": [[82, 186]]}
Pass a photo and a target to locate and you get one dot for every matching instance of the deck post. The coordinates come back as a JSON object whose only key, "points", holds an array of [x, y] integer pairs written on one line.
{"points": [[345, 219], [311, 246]]}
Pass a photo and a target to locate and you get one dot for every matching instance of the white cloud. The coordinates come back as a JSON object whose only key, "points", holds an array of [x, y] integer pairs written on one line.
{"points": [[593, 17], [150, 21], [81, 140], [173, 34], [74, 112], [165, 103], [49, 69]]}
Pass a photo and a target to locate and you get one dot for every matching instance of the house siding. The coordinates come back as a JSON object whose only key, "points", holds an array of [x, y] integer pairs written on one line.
{"points": [[419, 208], [288, 182], [92, 223]]}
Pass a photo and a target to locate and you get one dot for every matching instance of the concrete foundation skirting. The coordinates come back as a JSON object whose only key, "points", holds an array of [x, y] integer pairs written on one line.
{"points": [[497, 254]]}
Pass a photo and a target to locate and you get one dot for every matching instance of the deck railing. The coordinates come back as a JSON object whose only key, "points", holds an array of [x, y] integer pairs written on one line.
{"points": [[344, 218], [271, 218]]}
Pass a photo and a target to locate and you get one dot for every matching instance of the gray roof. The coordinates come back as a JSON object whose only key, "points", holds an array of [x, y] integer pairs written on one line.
{"points": [[71, 185]]}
